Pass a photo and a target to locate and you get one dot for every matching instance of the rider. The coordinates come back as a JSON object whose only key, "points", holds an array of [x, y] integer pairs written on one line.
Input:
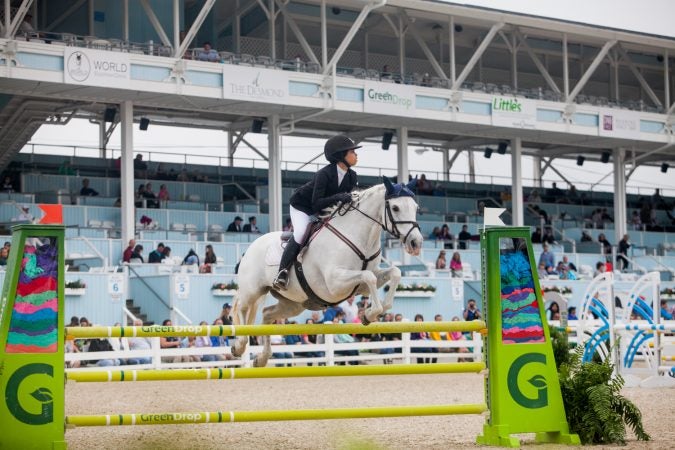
{"points": [[330, 185]]}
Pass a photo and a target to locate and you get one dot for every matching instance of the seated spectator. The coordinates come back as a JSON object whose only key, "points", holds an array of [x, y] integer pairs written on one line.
{"points": [[456, 265], [665, 314], [344, 339], [160, 172], [600, 268], [126, 255], [446, 236], [606, 246], [423, 186], [536, 236], [167, 252], [277, 339], [548, 236], [553, 309], [542, 214], [471, 312], [204, 342], [207, 53], [458, 336], [438, 336], [547, 258], [224, 316], [435, 233], [292, 339], [183, 175], [139, 343], [190, 342], [138, 196], [569, 264], [86, 190], [534, 197], [386, 73], [70, 347], [541, 271], [102, 345], [170, 342], [564, 272], [145, 221], [4, 254], [251, 226], [235, 226], [140, 167], [137, 254], [606, 218], [555, 193], [572, 313], [440, 261], [220, 341], [209, 259], [635, 221], [7, 185], [464, 237], [586, 237], [191, 258], [163, 194], [308, 339], [572, 196], [150, 197], [420, 336], [66, 169], [157, 255]]}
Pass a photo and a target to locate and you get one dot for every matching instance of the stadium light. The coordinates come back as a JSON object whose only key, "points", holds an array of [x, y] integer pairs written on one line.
{"points": [[109, 114], [488, 152], [256, 126], [501, 149], [580, 160], [664, 167], [605, 157], [386, 139], [145, 122]]}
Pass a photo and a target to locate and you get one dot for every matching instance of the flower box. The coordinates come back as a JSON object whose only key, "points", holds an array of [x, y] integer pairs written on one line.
{"points": [[426, 294], [223, 292], [73, 292]]}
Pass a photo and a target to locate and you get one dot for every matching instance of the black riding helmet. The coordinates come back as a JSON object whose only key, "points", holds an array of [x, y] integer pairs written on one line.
{"points": [[337, 147]]}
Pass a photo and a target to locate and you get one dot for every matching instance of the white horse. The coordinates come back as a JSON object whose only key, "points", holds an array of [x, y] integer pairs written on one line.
{"points": [[341, 260]]}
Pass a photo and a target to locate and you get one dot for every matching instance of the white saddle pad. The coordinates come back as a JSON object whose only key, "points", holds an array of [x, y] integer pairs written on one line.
{"points": [[274, 252]]}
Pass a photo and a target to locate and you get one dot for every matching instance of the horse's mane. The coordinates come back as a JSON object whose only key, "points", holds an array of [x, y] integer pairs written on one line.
{"points": [[357, 196]]}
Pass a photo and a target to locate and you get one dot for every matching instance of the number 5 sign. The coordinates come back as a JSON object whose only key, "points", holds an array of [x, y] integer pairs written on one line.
{"points": [[457, 289], [182, 286]]}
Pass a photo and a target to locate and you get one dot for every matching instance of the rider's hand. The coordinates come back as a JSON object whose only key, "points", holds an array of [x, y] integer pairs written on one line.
{"points": [[343, 197]]}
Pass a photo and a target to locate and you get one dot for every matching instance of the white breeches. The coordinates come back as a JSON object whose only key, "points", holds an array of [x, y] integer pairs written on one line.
{"points": [[300, 221]]}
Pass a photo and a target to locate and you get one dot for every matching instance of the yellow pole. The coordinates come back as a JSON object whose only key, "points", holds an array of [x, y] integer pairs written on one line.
{"points": [[272, 372], [272, 415], [267, 330]]}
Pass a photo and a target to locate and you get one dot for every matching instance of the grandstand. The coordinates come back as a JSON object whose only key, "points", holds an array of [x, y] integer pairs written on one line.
{"points": [[468, 81]]}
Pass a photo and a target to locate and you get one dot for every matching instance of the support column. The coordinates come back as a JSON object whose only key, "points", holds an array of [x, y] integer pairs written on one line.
{"points": [[619, 193], [517, 183], [402, 154], [536, 172], [101, 139], [472, 166], [127, 172], [324, 36], [274, 186], [273, 30], [90, 18], [446, 164]]}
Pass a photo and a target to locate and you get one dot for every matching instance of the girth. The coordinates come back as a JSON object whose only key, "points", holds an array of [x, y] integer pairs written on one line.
{"points": [[314, 302]]}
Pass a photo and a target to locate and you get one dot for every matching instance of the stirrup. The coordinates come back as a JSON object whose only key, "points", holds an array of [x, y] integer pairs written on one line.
{"points": [[281, 280]]}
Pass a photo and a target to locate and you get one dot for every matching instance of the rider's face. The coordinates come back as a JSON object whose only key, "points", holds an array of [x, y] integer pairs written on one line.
{"points": [[351, 157]]}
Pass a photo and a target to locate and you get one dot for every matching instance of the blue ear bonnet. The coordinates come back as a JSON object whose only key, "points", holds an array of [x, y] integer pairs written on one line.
{"points": [[399, 189]]}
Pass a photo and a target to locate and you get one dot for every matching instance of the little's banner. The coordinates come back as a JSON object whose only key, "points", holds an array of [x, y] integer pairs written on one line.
{"points": [[619, 124], [514, 112], [96, 67], [255, 84], [390, 99]]}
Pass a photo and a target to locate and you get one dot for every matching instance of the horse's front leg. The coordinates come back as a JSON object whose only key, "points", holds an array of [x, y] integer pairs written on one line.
{"points": [[339, 278], [391, 276], [245, 310], [281, 310]]}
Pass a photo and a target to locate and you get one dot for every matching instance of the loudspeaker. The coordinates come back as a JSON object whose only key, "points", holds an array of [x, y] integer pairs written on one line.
{"points": [[386, 139], [605, 157], [501, 149], [664, 167], [109, 114], [144, 124], [488, 153], [257, 125], [580, 160]]}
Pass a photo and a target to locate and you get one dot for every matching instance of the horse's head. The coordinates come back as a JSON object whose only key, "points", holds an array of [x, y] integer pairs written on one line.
{"points": [[400, 215]]}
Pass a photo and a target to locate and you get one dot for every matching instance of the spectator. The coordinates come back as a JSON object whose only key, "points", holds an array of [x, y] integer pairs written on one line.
{"points": [[7, 185], [458, 336], [420, 336], [277, 339], [308, 339], [102, 345], [464, 237], [471, 312], [220, 341], [386, 73], [183, 175], [540, 212], [657, 200], [423, 186], [170, 342], [541, 271], [139, 343], [163, 194], [435, 233], [351, 309], [167, 252], [555, 193], [622, 253], [547, 258], [606, 218], [157, 255], [505, 196], [209, 259], [225, 314], [151, 198], [4, 254], [126, 255], [635, 221], [140, 167], [25, 215], [26, 26], [440, 261], [251, 226], [207, 53], [534, 197], [600, 268], [139, 195], [204, 342], [569, 264], [586, 237], [573, 195], [665, 314], [553, 309], [66, 169], [606, 246], [235, 226], [86, 190], [456, 265], [137, 254], [438, 336], [548, 238], [446, 236], [572, 313], [191, 259], [536, 236]]}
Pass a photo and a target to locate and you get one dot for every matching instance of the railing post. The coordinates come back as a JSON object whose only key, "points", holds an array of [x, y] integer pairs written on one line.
{"points": [[330, 349], [405, 350], [156, 354]]}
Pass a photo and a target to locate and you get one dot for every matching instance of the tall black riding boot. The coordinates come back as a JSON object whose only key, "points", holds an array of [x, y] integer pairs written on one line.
{"points": [[290, 253]]}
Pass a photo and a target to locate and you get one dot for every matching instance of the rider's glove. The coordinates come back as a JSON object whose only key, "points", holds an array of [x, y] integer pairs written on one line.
{"points": [[343, 197]]}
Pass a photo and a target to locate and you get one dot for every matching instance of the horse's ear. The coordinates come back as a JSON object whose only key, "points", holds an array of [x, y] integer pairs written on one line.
{"points": [[387, 184], [412, 184]]}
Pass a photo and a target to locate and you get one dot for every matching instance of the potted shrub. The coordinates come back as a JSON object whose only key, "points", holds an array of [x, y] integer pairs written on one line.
{"points": [[76, 287], [414, 290], [224, 289]]}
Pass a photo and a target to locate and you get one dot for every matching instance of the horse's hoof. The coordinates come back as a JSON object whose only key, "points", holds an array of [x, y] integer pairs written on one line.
{"points": [[365, 321], [257, 362], [235, 352]]}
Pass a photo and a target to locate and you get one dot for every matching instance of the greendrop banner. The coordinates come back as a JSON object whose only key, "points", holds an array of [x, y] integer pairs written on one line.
{"points": [[96, 67], [390, 99], [514, 112]]}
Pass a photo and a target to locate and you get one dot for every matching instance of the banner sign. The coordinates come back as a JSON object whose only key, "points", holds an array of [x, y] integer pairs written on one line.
{"points": [[96, 67], [255, 84], [389, 99], [514, 112], [619, 124]]}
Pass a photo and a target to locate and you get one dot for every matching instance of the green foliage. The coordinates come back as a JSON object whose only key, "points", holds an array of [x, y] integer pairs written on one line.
{"points": [[561, 346], [595, 408]]}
